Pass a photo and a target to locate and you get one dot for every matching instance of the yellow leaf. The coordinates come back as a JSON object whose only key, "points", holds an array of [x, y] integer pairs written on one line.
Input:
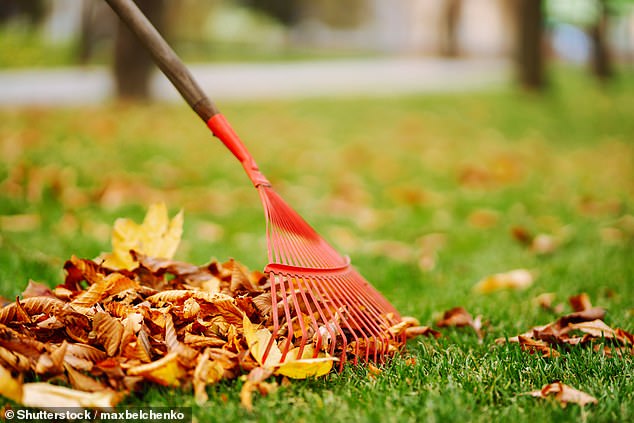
{"points": [[258, 340], [165, 371], [157, 236], [515, 279], [10, 387], [304, 367]]}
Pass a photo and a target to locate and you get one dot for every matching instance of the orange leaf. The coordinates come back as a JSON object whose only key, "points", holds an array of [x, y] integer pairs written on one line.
{"points": [[580, 302]]}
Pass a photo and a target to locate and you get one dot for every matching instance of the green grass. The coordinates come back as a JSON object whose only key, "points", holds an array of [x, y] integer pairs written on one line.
{"points": [[23, 47], [366, 171]]}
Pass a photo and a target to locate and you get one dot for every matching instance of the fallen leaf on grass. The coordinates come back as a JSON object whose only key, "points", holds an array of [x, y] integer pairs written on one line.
{"points": [[538, 244], [514, 279], [256, 382], [564, 394], [416, 331], [459, 317], [580, 302], [410, 326], [537, 346], [581, 328]]}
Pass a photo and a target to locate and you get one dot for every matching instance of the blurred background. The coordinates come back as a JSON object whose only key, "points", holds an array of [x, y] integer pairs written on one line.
{"points": [[516, 39]]}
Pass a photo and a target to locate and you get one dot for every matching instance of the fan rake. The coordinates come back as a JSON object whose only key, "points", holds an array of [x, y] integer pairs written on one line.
{"points": [[319, 301]]}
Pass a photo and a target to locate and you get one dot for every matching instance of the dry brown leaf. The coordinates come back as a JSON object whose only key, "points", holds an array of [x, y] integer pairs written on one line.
{"points": [[538, 346], [256, 382], [514, 279], [207, 372], [587, 315], [456, 316], [52, 362], [580, 302], [459, 317], [596, 328], [82, 382], [112, 284], [108, 332], [36, 289], [30, 306], [415, 331], [564, 394], [14, 360]]}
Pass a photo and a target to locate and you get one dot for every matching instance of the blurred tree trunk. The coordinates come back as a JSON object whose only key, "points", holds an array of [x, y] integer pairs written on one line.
{"points": [[530, 57], [133, 66], [449, 37], [601, 63], [97, 24], [287, 12]]}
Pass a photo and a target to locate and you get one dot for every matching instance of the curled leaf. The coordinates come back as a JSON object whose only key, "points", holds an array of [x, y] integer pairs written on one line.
{"points": [[580, 302]]}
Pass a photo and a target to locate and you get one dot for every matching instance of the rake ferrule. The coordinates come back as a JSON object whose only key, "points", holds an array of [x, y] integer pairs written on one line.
{"points": [[221, 128]]}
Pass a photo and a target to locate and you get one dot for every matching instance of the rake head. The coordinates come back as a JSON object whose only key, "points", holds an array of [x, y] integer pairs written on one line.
{"points": [[318, 298]]}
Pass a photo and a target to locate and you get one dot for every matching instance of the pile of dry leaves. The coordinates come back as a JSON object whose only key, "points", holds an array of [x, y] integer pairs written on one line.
{"points": [[129, 318]]}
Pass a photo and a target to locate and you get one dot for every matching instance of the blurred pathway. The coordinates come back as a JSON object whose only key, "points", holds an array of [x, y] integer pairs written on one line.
{"points": [[244, 81]]}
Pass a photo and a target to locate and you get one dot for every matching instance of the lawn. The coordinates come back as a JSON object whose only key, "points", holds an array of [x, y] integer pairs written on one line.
{"points": [[423, 192]]}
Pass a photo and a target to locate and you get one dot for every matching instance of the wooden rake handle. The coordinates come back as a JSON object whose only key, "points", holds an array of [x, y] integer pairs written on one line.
{"points": [[165, 58], [172, 66]]}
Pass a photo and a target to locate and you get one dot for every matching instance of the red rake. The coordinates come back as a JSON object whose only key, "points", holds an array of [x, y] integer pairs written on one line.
{"points": [[312, 285]]}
